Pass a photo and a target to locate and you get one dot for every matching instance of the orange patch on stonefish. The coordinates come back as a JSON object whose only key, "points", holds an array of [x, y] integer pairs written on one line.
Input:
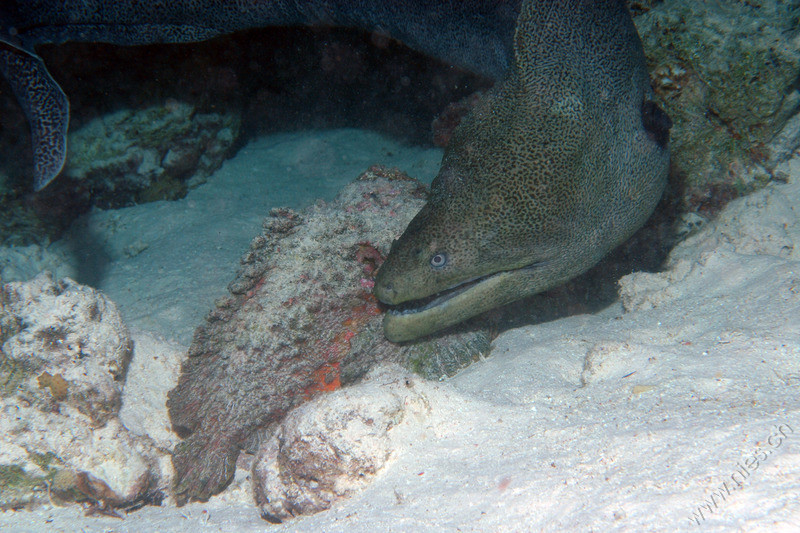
{"points": [[326, 378]]}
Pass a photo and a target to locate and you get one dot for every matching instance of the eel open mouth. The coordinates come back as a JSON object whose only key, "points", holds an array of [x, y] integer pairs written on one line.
{"points": [[416, 318], [429, 302]]}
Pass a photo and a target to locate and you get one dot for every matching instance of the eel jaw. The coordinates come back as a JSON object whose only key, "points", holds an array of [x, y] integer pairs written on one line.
{"points": [[410, 320]]}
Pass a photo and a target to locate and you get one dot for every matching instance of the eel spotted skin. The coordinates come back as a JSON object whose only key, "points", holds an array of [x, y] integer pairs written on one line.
{"points": [[475, 34], [562, 162]]}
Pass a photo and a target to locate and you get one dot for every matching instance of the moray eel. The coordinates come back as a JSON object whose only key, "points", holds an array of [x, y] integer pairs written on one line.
{"points": [[475, 34], [561, 163]]}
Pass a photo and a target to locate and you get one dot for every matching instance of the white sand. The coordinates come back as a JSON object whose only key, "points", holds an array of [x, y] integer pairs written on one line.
{"points": [[620, 421]]}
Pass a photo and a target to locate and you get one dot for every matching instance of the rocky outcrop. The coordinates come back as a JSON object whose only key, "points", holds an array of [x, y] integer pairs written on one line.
{"points": [[64, 356], [726, 72]]}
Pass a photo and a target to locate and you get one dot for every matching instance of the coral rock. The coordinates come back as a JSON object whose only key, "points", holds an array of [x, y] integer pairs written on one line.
{"points": [[328, 449], [73, 348], [726, 72], [65, 352], [149, 154]]}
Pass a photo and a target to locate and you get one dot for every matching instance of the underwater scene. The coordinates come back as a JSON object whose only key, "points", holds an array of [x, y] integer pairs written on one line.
{"points": [[434, 265]]}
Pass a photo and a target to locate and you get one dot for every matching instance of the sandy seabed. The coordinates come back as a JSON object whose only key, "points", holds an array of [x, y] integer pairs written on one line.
{"points": [[677, 408]]}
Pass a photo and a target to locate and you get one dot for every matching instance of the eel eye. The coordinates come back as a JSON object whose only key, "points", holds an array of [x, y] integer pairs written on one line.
{"points": [[439, 260]]}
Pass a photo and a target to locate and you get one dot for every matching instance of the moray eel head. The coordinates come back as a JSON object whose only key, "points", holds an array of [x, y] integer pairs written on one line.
{"points": [[556, 166], [443, 253], [461, 256]]}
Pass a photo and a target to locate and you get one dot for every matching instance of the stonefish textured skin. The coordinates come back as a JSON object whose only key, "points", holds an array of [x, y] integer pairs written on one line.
{"points": [[558, 165], [301, 320]]}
